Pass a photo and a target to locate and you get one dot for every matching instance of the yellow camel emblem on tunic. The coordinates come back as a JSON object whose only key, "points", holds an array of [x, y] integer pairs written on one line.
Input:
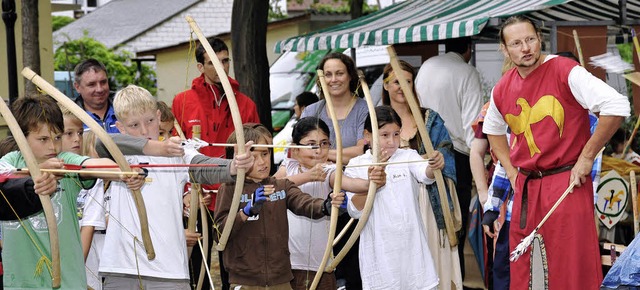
{"points": [[546, 106]]}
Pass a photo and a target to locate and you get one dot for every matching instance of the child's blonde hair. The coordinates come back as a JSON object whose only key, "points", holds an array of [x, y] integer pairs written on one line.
{"points": [[133, 100], [68, 115], [89, 143]]}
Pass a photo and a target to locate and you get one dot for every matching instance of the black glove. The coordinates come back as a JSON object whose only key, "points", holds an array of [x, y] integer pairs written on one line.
{"points": [[21, 196], [489, 217], [28, 187], [255, 204], [326, 205]]}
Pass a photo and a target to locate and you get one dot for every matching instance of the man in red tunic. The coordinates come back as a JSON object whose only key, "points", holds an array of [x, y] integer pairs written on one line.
{"points": [[544, 101]]}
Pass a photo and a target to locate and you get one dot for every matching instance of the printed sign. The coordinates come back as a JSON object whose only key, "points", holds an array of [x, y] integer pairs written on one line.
{"points": [[612, 198]]}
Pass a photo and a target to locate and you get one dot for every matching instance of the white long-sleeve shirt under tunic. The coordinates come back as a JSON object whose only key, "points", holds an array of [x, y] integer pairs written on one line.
{"points": [[589, 91]]}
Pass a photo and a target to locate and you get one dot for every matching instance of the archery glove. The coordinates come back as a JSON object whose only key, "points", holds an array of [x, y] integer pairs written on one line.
{"points": [[255, 204], [326, 205], [21, 196], [489, 217]]}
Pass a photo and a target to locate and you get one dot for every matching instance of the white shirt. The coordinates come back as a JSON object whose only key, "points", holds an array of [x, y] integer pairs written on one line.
{"points": [[93, 211], [394, 253], [591, 93], [93, 214], [451, 87], [163, 201], [307, 237]]}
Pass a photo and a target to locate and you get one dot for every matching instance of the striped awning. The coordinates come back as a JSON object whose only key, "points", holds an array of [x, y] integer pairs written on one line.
{"points": [[428, 20]]}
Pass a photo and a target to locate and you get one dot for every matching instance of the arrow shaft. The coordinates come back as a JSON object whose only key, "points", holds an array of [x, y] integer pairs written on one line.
{"points": [[77, 167]]}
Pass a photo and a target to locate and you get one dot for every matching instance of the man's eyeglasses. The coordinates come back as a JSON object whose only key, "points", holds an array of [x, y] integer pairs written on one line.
{"points": [[322, 145], [518, 42]]}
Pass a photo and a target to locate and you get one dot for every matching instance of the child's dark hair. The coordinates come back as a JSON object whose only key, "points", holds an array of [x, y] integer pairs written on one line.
{"points": [[618, 138], [386, 115], [31, 111], [165, 112], [306, 98], [7, 145], [257, 133], [305, 126]]}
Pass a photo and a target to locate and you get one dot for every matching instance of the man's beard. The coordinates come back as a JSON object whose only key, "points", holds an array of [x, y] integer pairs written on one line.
{"points": [[523, 65]]}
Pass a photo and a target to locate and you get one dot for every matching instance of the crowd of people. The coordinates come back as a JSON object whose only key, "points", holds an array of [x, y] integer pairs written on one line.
{"points": [[537, 126]]}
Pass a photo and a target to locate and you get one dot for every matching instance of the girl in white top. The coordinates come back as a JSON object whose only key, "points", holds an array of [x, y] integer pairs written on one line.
{"points": [[308, 237], [90, 208], [92, 214], [309, 170], [394, 253]]}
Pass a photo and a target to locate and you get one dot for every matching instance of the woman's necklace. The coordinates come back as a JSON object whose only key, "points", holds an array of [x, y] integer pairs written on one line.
{"points": [[348, 111]]}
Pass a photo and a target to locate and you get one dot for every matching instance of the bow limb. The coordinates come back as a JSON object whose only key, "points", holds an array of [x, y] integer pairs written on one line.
{"points": [[337, 184], [237, 124], [205, 245], [109, 144], [426, 142], [195, 188], [34, 170], [371, 194], [193, 208]]}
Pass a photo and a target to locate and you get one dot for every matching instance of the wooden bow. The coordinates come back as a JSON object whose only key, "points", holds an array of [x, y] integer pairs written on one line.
{"points": [[193, 211], [237, 124], [337, 184], [371, 194], [34, 170], [195, 192], [426, 142], [109, 144]]}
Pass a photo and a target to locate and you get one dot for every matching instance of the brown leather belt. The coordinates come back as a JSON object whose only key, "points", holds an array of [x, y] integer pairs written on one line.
{"points": [[535, 174]]}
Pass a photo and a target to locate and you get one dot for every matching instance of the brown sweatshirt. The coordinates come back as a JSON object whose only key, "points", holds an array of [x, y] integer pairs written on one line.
{"points": [[257, 253]]}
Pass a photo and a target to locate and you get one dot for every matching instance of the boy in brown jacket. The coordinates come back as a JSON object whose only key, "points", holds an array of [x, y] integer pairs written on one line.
{"points": [[257, 253]]}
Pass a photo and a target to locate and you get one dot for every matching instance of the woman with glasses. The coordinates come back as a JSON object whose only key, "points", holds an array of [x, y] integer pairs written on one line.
{"points": [[310, 170]]}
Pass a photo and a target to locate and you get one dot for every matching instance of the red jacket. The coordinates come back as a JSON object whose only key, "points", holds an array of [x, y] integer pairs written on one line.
{"points": [[198, 106]]}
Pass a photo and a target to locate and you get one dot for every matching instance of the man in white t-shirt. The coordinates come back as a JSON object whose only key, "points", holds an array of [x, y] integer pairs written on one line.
{"points": [[450, 86]]}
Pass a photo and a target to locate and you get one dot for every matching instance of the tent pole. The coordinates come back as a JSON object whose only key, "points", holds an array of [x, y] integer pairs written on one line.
{"points": [[553, 38]]}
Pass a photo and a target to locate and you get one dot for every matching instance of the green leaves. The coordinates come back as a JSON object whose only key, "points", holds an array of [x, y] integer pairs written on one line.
{"points": [[60, 21], [121, 69]]}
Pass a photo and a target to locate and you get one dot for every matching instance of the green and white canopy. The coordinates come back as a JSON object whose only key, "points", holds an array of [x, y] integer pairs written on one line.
{"points": [[428, 20]]}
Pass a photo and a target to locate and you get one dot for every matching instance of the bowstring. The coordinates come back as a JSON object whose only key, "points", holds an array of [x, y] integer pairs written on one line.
{"points": [[190, 57], [43, 259], [200, 197], [135, 238], [204, 260], [111, 217], [319, 184]]}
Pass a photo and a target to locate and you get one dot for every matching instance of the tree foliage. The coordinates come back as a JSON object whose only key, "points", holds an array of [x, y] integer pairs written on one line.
{"points": [[275, 10], [338, 6], [121, 70], [60, 21]]}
